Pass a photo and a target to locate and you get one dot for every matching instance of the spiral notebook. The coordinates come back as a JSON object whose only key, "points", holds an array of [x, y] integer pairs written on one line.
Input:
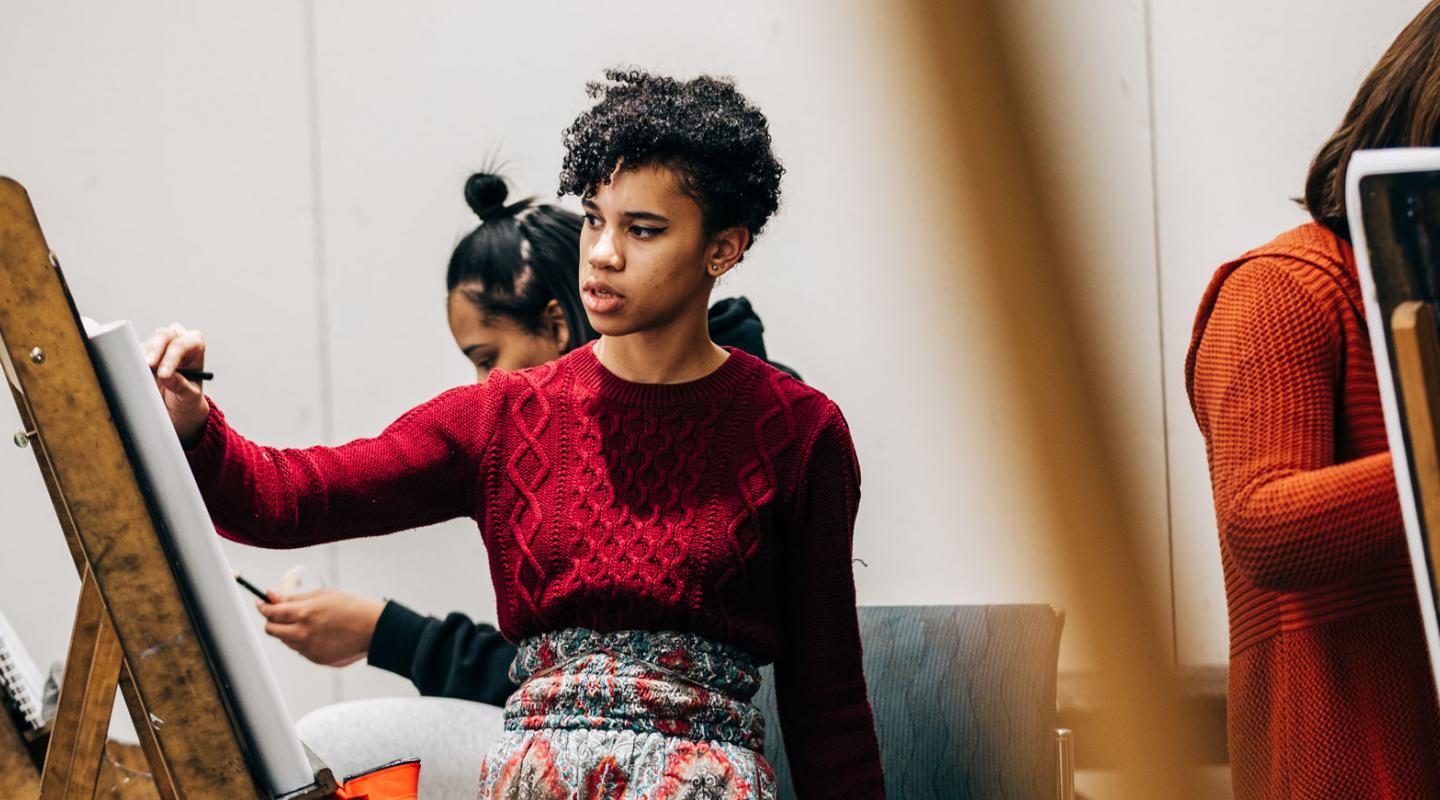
{"points": [[22, 686]]}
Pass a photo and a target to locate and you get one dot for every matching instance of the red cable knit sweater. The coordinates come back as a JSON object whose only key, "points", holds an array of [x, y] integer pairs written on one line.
{"points": [[723, 507], [1330, 688]]}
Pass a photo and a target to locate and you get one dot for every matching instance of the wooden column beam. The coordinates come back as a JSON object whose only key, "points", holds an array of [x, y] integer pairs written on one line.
{"points": [[87, 695], [1417, 364]]}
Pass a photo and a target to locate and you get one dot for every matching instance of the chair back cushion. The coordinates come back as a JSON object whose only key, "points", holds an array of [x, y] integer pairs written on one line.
{"points": [[963, 696]]}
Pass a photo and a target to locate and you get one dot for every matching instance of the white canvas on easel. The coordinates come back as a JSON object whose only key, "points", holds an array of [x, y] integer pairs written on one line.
{"points": [[1365, 164], [184, 521]]}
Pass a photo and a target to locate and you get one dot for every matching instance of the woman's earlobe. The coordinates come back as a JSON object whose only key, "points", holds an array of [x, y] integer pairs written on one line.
{"points": [[727, 249]]}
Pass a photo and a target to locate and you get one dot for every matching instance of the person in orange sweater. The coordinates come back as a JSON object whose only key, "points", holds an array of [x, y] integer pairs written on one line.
{"points": [[1331, 693]]}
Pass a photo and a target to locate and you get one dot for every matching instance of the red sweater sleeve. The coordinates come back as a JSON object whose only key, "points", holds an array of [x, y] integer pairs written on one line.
{"points": [[1266, 381], [820, 681], [421, 470]]}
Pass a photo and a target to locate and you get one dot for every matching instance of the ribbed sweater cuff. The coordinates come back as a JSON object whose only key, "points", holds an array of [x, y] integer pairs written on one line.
{"points": [[203, 454], [396, 638]]}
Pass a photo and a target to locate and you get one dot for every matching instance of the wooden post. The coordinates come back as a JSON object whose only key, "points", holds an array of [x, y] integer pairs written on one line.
{"points": [[149, 745], [87, 695], [1417, 365], [132, 601], [997, 191]]}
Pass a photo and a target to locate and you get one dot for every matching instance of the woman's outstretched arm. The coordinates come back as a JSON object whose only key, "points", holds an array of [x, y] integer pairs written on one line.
{"points": [[421, 470]]}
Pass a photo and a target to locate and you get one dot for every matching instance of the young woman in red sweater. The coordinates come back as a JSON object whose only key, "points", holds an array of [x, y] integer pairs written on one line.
{"points": [[661, 515], [1330, 686]]}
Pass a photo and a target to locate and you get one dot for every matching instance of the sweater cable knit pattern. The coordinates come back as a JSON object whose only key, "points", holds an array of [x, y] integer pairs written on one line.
{"points": [[526, 468], [1330, 688], [723, 507]]}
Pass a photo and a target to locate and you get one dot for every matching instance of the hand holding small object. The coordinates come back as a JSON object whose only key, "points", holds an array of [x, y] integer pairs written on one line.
{"points": [[170, 351], [327, 626]]}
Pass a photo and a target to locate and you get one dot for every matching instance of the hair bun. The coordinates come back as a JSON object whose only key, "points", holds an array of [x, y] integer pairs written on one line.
{"points": [[486, 193]]}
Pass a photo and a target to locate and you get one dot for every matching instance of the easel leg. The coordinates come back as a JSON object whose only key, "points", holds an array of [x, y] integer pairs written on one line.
{"points": [[1417, 363], [164, 785], [82, 720]]}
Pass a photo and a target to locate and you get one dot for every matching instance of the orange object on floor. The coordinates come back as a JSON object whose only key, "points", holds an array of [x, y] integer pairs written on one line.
{"points": [[399, 780]]}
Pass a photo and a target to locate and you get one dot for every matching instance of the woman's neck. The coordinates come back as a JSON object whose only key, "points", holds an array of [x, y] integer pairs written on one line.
{"points": [[668, 355]]}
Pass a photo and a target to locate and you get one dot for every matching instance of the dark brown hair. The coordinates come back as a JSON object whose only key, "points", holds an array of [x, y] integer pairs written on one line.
{"points": [[1398, 105]]}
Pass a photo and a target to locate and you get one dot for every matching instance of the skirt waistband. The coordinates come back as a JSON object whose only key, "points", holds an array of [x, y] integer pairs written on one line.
{"points": [[677, 684]]}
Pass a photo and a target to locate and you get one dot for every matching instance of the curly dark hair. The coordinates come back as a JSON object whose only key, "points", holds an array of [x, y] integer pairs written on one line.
{"points": [[704, 129]]}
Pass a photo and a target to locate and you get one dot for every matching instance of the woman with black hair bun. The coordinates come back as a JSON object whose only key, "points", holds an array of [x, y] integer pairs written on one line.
{"points": [[510, 285], [512, 303], [662, 515]]}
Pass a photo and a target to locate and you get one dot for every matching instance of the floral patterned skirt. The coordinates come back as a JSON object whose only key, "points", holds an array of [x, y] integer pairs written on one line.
{"points": [[632, 714]]}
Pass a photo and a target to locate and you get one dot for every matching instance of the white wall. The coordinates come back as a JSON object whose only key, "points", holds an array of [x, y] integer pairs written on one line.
{"points": [[1090, 106], [166, 150], [288, 178], [291, 184]]}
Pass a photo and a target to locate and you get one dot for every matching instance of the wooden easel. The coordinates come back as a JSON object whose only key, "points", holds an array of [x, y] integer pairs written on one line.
{"points": [[124, 773], [1417, 367], [132, 627]]}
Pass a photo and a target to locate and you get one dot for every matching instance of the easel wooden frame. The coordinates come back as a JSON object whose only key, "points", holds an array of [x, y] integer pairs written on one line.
{"points": [[132, 628], [1417, 370]]}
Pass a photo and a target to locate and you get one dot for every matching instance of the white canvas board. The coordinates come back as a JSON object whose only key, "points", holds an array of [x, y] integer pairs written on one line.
{"points": [[161, 465], [1378, 162]]}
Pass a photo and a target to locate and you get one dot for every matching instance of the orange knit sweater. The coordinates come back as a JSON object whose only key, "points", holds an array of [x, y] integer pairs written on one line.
{"points": [[1330, 688]]}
